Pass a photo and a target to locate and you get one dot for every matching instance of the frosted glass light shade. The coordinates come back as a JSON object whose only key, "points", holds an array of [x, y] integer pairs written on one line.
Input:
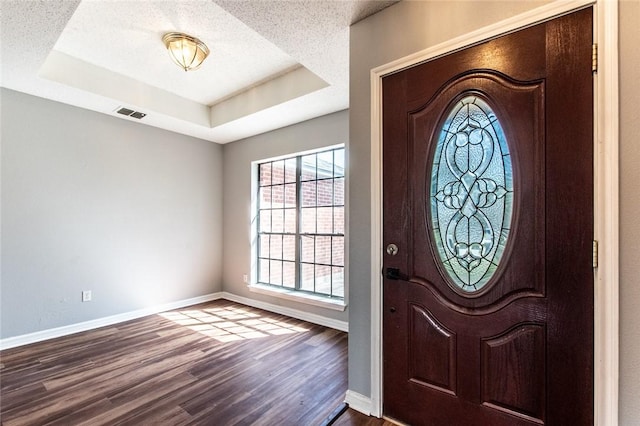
{"points": [[186, 51]]}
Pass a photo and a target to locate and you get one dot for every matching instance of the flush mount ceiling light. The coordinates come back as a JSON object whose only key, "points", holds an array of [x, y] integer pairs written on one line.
{"points": [[186, 51]]}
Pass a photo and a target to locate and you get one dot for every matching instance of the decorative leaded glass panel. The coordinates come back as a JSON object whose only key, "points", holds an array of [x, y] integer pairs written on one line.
{"points": [[471, 194]]}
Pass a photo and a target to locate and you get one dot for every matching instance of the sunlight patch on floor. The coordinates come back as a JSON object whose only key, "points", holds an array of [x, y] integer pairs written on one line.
{"points": [[228, 324]]}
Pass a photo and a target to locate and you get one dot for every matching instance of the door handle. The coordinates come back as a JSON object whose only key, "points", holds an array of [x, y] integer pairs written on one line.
{"points": [[395, 274]]}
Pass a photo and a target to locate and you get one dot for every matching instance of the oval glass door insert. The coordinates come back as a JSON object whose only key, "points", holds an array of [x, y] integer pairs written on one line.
{"points": [[471, 194]]}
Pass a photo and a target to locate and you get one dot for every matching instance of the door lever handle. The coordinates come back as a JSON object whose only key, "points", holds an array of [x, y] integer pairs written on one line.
{"points": [[395, 274]]}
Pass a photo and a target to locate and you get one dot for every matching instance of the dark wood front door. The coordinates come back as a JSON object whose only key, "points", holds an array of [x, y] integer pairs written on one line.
{"points": [[488, 197]]}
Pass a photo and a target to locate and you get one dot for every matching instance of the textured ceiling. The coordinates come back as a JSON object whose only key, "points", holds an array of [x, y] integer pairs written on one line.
{"points": [[126, 39], [273, 63]]}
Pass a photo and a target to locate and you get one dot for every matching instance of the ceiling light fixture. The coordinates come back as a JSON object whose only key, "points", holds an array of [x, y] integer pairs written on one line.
{"points": [[186, 51]]}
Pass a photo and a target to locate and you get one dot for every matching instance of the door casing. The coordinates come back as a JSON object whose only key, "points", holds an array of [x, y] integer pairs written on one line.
{"points": [[606, 276]]}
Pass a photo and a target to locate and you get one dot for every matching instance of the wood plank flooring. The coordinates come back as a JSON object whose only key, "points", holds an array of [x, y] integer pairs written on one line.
{"points": [[218, 363], [354, 418]]}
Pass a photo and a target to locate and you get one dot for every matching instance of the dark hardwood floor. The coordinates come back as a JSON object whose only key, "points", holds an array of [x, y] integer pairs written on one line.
{"points": [[354, 418], [218, 363]]}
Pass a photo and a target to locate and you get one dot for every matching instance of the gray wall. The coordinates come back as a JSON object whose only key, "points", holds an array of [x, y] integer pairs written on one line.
{"points": [[629, 210], [328, 130], [393, 33], [92, 202]]}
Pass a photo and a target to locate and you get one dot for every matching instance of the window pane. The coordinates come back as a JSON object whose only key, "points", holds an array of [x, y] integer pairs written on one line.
{"points": [[325, 164], [264, 246], [276, 272], [277, 221], [265, 197], [308, 224], [325, 220], [276, 247], [289, 274], [265, 221], [289, 247], [308, 167], [277, 173], [338, 160], [323, 279], [290, 197], [308, 194], [325, 192], [277, 196], [290, 170], [290, 221], [337, 252], [338, 220], [338, 192], [265, 174], [338, 282], [307, 249], [475, 219], [323, 250], [263, 267], [307, 277]]}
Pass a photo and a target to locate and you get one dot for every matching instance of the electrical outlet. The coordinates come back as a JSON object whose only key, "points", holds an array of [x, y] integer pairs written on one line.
{"points": [[245, 278], [86, 295]]}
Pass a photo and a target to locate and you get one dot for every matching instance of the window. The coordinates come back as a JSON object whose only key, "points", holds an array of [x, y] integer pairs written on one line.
{"points": [[471, 195], [300, 223]]}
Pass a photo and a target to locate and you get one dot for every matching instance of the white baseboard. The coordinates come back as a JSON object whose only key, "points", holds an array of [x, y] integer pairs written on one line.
{"points": [[290, 312], [39, 336], [358, 402]]}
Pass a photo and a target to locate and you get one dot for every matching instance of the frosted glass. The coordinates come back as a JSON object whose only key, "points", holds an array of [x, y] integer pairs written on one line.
{"points": [[471, 194]]}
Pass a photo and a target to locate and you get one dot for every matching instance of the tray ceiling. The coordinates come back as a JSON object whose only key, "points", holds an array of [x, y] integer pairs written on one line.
{"points": [[272, 63]]}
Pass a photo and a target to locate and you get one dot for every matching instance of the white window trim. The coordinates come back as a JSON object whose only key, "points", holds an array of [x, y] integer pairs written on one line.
{"points": [[298, 296], [606, 187]]}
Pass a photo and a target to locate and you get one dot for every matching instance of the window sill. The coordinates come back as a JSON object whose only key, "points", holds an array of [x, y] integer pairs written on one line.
{"points": [[309, 299]]}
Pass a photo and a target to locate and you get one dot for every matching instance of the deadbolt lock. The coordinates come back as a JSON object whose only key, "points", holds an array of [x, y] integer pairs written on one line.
{"points": [[392, 249]]}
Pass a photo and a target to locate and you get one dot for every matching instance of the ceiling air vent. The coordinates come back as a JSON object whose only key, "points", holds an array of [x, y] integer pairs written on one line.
{"points": [[131, 113]]}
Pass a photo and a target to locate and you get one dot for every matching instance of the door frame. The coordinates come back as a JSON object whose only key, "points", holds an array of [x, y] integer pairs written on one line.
{"points": [[606, 165]]}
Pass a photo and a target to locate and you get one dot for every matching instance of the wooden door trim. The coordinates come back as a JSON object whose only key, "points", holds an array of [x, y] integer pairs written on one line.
{"points": [[606, 166]]}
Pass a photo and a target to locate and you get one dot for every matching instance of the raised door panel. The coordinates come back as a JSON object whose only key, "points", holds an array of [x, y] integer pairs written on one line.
{"points": [[514, 371], [432, 355]]}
